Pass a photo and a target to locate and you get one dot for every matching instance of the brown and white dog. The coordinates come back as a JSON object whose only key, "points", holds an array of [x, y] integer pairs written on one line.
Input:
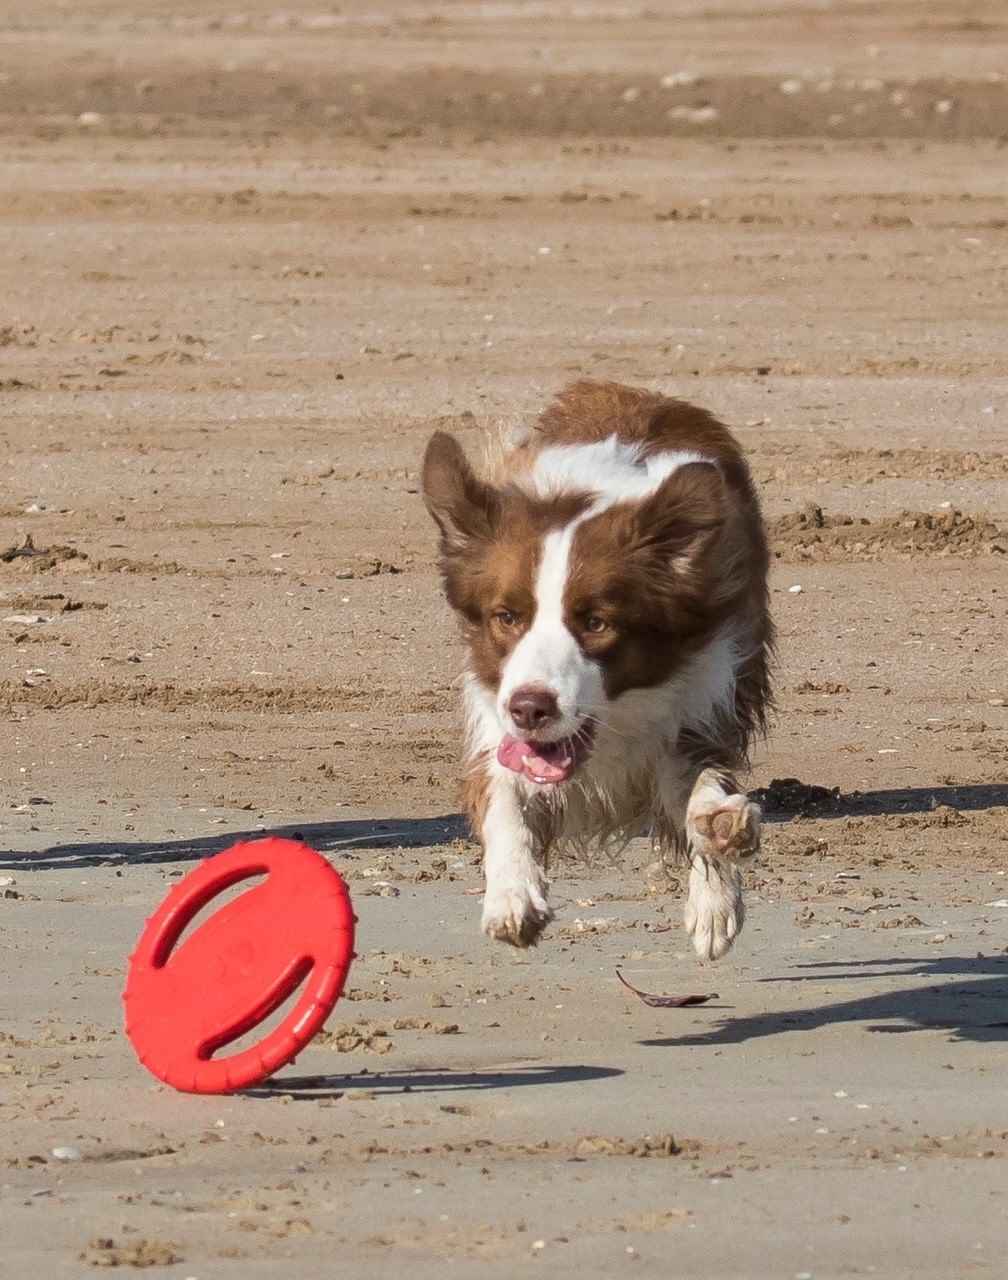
{"points": [[610, 574]]}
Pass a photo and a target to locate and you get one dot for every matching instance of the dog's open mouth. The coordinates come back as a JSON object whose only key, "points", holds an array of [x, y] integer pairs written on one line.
{"points": [[546, 763]]}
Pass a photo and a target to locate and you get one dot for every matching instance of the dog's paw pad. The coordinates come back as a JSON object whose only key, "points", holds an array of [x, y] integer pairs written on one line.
{"points": [[732, 827]]}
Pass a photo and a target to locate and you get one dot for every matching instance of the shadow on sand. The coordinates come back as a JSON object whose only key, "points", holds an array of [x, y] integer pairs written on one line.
{"points": [[394, 833], [975, 1009], [431, 1080], [326, 837]]}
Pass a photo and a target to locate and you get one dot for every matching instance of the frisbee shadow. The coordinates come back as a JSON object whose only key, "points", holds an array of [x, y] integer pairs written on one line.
{"points": [[429, 1080], [975, 1010], [340, 837]]}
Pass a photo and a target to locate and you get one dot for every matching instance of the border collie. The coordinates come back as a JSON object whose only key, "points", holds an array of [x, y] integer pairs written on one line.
{"points": [[610, 574]]}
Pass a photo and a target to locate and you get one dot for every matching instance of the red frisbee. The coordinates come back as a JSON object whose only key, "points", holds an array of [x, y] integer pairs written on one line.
{"points": [[185, 1002]]}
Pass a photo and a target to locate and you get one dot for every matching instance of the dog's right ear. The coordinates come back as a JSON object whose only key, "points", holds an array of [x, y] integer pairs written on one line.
{"points": [[462, 505]]}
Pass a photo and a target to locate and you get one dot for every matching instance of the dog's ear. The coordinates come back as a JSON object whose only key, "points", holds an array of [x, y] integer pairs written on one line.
{"points": [[463, 507], [683, 517]]}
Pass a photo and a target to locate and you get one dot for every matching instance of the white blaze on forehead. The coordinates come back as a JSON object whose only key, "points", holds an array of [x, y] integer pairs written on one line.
{"points": [[548, 654], [553, 570]]}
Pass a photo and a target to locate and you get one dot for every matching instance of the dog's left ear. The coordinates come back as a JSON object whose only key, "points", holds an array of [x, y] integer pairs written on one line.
{"points": [[683, 517], [462, 506]]}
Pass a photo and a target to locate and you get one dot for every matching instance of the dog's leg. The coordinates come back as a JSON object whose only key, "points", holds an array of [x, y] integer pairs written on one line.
{"points": [[515, 909], [722, 829]]}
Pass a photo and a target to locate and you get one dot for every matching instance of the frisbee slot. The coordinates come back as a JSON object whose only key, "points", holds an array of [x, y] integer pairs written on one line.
{"points": [[261, 1021], [198, 909]]}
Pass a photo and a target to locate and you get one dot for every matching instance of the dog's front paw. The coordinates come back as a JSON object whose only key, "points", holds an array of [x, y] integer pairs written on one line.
{"points": [[516, 913], [728, 826], [715, 910]]}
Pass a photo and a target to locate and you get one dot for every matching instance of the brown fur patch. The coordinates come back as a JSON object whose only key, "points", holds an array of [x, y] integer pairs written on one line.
{"points": [[587, 411], [475, 795], [647, 591]]}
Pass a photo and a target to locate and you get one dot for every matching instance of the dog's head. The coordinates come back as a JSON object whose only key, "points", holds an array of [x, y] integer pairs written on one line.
{"points": [[571, 598]]}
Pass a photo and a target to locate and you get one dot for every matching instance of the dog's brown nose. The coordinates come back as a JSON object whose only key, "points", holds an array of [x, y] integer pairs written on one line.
{"points": [[532, 707]]}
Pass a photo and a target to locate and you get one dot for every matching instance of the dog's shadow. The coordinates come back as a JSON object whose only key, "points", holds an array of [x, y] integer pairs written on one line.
{"points": [[972, 1010]]}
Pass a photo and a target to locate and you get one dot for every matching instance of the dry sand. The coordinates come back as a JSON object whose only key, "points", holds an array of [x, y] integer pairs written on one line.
{"points": [[251, 260]]}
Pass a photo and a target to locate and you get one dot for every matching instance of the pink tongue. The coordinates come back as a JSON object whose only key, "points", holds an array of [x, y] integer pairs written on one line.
{"points": [[542, 762]]}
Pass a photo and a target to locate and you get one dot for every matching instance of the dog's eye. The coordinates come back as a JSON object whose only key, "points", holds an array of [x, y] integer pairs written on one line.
{"points": [[595, 624], [507, 617]]}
